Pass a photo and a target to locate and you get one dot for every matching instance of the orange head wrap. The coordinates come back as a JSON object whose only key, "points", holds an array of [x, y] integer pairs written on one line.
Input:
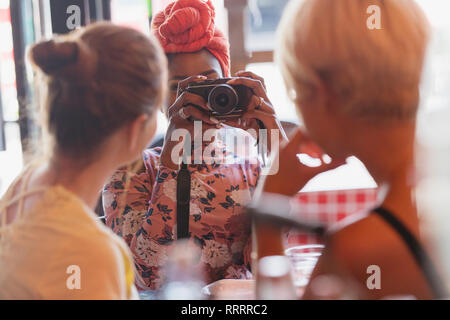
{"points": [[188, 26]]}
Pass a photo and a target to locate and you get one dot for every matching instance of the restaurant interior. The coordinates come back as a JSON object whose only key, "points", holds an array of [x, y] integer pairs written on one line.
{"points": [[241, 241]]}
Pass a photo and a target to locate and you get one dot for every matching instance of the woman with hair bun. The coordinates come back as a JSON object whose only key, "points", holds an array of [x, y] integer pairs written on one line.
{"points": [[145, 213], [102, 86]]}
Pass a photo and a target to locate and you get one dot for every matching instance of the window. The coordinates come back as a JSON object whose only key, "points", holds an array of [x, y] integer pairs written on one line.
{"points": [[11, 157], [132, 13], [437, 73], [263, 17], [135, 13]]}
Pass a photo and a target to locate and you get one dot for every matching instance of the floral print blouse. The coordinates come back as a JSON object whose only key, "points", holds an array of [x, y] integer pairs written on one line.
{"points": [[145, 216]]}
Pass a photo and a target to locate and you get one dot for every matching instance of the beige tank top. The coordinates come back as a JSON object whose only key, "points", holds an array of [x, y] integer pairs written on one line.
{"points": [[118, 273]]}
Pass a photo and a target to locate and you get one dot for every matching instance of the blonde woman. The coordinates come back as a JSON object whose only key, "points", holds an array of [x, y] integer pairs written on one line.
{"points": [[103, 86], [357, 90]]}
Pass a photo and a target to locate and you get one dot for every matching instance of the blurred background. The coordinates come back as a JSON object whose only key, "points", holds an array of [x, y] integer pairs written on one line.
{"points": [[251, 27]]}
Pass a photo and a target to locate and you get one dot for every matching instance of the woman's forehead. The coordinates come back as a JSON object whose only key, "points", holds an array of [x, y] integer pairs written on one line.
{"points": [[183, 65]]}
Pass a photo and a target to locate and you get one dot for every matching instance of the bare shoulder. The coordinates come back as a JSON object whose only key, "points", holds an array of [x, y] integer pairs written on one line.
{"points": [[362, 238], [369, 244]]}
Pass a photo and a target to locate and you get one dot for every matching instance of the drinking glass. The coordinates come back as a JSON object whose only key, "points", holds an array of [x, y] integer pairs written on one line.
{"points": [[303, 260]]}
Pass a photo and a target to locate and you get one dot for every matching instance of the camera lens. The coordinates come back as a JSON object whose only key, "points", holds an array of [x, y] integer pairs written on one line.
{"points": [[223, 99]]}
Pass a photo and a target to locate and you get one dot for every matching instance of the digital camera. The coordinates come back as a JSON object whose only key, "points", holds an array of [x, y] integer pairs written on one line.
{"points": [[224, 100]]}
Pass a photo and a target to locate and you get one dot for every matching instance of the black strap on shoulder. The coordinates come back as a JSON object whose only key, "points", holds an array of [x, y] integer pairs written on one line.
{"points": [[417, 250], [183, 201]]}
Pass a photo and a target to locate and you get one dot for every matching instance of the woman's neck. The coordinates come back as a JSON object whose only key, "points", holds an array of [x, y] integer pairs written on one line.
{"points": [[84, 180], [389, 157], [399, 199]]}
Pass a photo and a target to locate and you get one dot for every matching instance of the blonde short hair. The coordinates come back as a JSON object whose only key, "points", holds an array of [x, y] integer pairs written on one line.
{"points": [[374, 73]]}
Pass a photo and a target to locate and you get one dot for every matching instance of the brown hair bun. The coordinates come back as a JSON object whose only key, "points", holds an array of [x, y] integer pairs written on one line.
{"points": [[96, 80], [70, 60]]}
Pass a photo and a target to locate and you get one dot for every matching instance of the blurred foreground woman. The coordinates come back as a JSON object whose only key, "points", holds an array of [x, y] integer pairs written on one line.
{"points": [[357, 90], [102, 88]]}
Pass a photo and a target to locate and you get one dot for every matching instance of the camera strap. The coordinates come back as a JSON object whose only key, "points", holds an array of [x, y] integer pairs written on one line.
{"points": [[262, 150], [183, 201]]}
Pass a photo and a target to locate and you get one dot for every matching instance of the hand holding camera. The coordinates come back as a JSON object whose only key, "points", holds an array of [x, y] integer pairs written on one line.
{"points": [[189, 106], [239, 102], [224, 100]]}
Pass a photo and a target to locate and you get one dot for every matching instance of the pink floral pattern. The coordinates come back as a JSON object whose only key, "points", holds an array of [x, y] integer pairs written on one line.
{"points": [[145, 217]]}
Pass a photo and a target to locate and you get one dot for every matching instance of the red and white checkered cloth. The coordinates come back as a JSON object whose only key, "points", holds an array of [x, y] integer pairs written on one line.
{"points": [[328, 207]]}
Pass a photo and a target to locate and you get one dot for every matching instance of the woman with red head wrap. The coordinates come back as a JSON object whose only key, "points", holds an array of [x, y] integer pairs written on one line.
{"points": [[188, 26], [145, 215]]}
